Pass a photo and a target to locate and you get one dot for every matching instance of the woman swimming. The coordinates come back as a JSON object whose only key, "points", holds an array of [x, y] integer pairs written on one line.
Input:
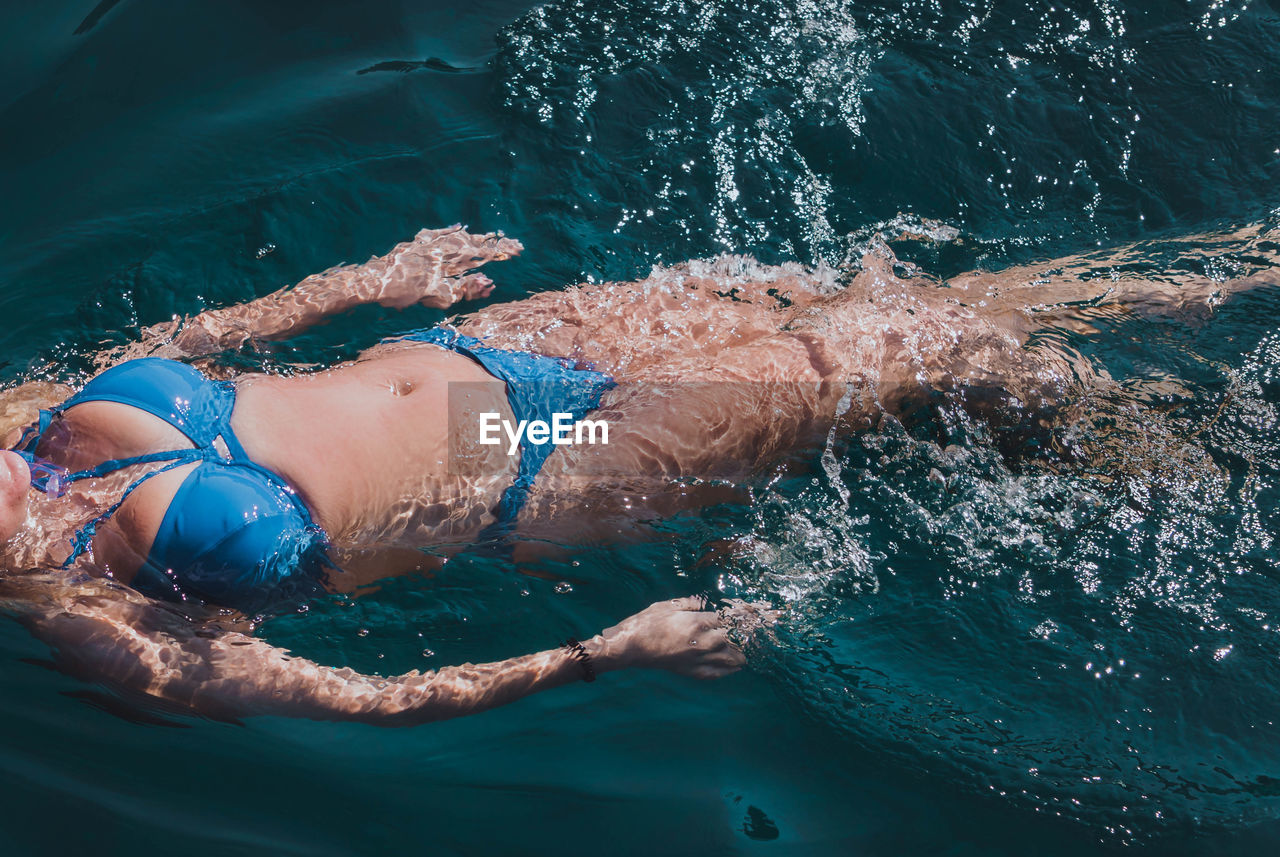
{"points": [[158, 477]]}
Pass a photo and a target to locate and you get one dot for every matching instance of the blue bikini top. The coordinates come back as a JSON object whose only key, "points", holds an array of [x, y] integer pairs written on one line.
{"points": [[234, 530]]}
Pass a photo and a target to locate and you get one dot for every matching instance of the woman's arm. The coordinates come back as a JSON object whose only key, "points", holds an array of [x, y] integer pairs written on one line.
{"points": [[20, 406], [117, 637], [432, 270]]}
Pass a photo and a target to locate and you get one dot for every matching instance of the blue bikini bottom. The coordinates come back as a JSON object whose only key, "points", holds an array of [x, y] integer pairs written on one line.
{"points": [[538, 387]]}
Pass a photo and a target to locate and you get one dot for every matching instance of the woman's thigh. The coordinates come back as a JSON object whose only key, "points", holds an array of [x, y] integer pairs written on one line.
{"points": [[686, 435], [629, 329]]}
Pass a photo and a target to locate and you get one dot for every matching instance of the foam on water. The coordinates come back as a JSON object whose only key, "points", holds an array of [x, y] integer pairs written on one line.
{"points": [[1095, 643]]}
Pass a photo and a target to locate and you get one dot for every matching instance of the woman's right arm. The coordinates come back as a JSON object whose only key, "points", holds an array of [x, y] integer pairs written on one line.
{"points": [[433, 270], [116, 637]]}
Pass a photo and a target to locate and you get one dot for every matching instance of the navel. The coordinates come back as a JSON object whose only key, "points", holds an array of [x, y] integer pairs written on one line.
{"points": [[401, 387]]}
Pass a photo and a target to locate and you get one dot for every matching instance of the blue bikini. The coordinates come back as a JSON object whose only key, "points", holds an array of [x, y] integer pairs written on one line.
{"points": [[234, 529], [236, 532], [538, 387]]}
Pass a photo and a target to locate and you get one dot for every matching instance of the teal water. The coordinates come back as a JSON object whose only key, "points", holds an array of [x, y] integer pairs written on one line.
{"points": [[976, 658]]}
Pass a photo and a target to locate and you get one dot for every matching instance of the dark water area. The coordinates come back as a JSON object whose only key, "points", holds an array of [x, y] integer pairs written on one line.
{"points": [[976, 658]]}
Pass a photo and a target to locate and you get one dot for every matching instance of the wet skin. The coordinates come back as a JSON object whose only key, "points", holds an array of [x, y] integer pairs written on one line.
{"points": [[728, 385], [722, 368]]}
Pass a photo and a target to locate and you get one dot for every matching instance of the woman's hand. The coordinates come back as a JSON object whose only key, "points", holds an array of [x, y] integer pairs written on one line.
{"points": [[677, 635], [433, 269]]}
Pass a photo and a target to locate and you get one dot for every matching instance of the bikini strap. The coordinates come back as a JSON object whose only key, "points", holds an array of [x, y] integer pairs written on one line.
{"points": [[83, 537], [177, 456], [31, 434], [236, 450]]}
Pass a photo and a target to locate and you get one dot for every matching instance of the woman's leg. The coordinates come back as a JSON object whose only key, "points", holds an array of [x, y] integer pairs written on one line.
{"points": [[900, 337], [689, 434], [628, 328], [716, 385], [1184, 278]]}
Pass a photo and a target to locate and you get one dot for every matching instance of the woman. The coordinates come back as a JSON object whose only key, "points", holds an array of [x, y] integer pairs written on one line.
{"points": [[159, 478]]}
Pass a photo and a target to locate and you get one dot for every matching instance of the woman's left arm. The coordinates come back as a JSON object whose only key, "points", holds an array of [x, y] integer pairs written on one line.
{"points": [[109, 634], [433, 270]]}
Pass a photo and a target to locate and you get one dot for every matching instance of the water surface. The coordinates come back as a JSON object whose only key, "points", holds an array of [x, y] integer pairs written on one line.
{"points": [[978, 657]]}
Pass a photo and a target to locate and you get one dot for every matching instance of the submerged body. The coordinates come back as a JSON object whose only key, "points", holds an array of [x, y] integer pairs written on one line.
{"points": [[718, 370], [707, 387]]}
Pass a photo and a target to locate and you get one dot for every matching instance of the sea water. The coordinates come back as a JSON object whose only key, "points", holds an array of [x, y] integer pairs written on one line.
{"points": [[977, 655]]}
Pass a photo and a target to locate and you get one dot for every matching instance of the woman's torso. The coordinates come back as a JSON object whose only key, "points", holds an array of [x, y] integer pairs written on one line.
{"points": [[365, 445]]}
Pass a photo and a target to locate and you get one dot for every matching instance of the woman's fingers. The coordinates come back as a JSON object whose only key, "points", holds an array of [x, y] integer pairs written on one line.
{"points": [[714, 636], [723, 650], [685, 636], [737, 614], [716, 668], [504, 247], [472, 287], [458, 251], [714, 654], [745, 622], [738, 609], [731, 659], [689, 602]]}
